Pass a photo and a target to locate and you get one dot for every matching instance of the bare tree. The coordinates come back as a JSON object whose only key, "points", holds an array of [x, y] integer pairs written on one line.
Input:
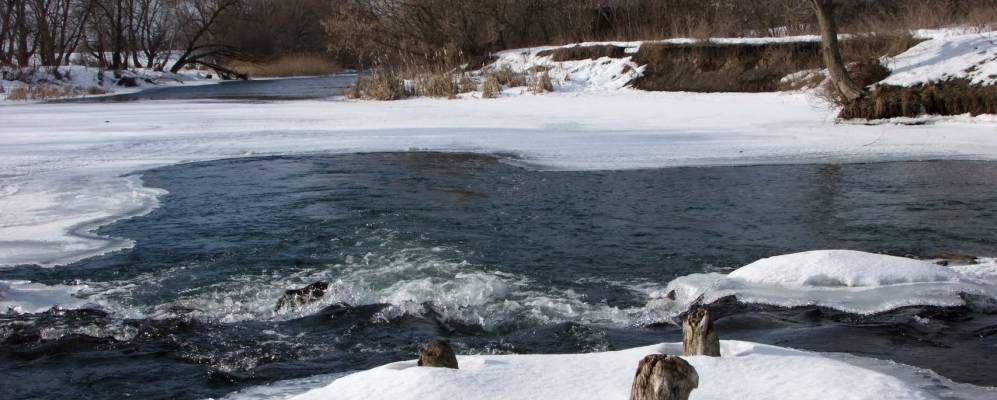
{"points": [[196, 21], [60, 26], [832, 53]]}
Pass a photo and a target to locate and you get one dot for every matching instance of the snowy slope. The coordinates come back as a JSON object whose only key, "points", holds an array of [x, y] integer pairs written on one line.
{"points": [[946, 55], [746, 371]]}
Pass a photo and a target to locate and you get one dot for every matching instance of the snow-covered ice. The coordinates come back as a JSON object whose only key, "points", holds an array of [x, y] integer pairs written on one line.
{"points": [[746, 371], [851, 281]]}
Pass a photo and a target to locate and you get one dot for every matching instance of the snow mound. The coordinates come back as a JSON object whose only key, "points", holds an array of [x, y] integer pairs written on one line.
{"points": [[838, 268], [746, 371], [850, 281], [946, 55]]}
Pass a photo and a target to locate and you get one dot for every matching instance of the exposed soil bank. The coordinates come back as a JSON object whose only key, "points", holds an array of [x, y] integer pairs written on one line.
{"points": [[952, 97]]}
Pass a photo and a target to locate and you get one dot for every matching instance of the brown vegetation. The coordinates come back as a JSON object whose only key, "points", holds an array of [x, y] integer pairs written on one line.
{"points": [[44, 91], [490, 88], [952, 97], [539, 83], [383, 84], [474, 28], [714, 67], [572, 53], [289, 65]]}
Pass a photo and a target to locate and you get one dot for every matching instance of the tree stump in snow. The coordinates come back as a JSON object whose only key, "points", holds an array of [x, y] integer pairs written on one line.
{"points": [[661, 377], [299, 297], [699, 338], [439, 354]]}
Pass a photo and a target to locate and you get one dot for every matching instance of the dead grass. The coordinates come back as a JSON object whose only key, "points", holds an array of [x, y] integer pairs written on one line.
{"points": [[952, 97], [714, 67], [43, 91], [437, 84], [540, 83], [289, 65], [490, 88], [382, 84], [507, 77]]}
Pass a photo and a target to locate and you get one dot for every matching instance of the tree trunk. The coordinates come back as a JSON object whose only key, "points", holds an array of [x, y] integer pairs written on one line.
{"points": [[661, 377], [438, 354], [832, 53], [699, 338]]}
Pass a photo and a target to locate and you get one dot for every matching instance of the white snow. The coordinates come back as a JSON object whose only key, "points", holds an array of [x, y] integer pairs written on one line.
{"points": [[841, 268], [850, 281], [746, 371], [946, 55]]}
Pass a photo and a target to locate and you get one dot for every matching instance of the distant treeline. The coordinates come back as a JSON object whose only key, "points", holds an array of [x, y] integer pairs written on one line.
{"points": [[378, 29], [172, 34]]}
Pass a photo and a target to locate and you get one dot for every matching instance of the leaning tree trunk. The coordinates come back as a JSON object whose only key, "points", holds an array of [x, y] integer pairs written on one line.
{"points": [[832, 52]]}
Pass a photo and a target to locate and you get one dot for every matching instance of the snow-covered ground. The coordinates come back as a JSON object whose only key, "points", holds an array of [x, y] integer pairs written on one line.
{"points": [[746, 371], [946, 55], [104, 82]]}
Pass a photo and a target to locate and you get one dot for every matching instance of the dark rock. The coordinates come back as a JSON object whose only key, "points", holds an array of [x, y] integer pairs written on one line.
{"points": [[295, 298], [439, 354]]}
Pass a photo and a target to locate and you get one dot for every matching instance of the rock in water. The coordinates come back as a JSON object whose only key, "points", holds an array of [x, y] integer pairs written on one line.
{"points": [[699, 338], [438, 353], [298, 297], [661, 377]]}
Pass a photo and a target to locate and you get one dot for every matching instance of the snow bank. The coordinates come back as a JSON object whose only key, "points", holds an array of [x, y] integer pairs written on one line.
{"points": [[850, 281], [946, 55], [746, 371], [104, 82]]}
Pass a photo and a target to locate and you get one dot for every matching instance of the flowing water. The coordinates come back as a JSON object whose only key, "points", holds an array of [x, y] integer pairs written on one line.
{"points": [[313, 87], [497, 258]]}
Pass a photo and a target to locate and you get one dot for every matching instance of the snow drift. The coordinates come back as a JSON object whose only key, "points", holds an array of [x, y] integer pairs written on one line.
{"points": [[746, 371], [850, 281]]}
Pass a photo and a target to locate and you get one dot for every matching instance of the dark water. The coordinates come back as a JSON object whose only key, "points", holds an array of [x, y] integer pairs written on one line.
{"points": [[317, 87], [497, 258]]}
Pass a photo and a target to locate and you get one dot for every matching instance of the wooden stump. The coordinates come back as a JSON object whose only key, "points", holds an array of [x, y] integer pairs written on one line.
{"points": [[438, 353], [661, 377], [699, 338]]}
